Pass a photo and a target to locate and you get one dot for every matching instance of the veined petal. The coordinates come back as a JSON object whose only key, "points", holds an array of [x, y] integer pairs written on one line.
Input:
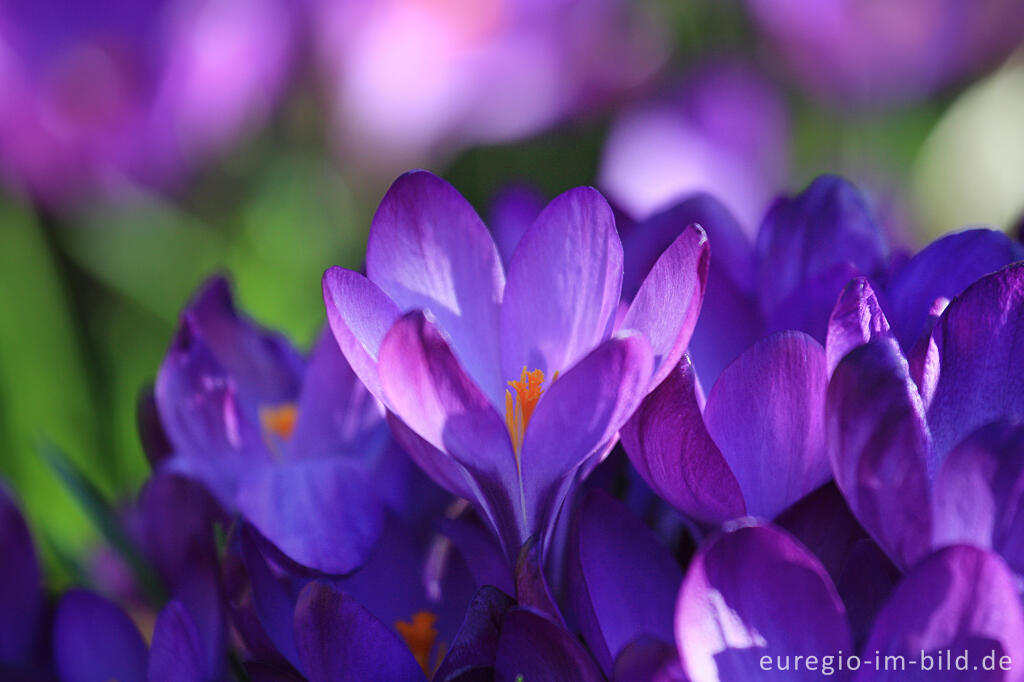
{"points": [[856, 319], [666, 307], [428, 250], [670, 447], [564, 284], [754, 592], [765, 413]]}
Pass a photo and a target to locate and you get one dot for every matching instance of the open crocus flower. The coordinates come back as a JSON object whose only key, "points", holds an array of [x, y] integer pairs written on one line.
{"points": [[931, 451], [757, 605], [301, 450], [506, 385], [131, 91]]}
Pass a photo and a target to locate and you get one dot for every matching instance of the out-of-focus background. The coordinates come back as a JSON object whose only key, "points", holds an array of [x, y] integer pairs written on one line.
{"points": [[147, 145]]}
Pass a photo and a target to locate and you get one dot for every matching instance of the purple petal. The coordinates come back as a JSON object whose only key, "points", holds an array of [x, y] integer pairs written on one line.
{"points": [[980, 340], [428, 250], [809, 306], [482, 553], [645, 659], [961, 599], [563, 288], [754, 592], [880, 448], [532, 590], [666, 307], [359, 314], [512, 212], [93, 640], [578, 415], [177, 517], [154, 441], [177, 651], [442, 469], [20, 584], [979, 493], [943, 269], [476, 645], [323, 513], [827, 224], [670, 447], [623, 579], [765, 414], [430, 392], [534, 648], [856, 319], [823, 523], [338, 640], [273, 605], [201, 593]]}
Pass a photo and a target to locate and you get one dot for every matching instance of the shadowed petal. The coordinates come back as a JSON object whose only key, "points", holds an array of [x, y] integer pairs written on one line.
{"points": [[669, 445], [880, 448], [666, 307], [645, 659], [94, 640], [809, 306], [856, 319], [979, 493], [512, 212], [563, 288], [943, 269], [754, 592], [538, 650], [428, 250], [623, 579], [475, 646], [359, 314], [20, 583], [340, 641], [177, 651], [961, 599], [765, 414], [980, 341], [440, 467]]}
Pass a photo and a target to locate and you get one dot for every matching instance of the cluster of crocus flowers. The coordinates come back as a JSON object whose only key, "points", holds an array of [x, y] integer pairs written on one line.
{"points": [[437, 491]]}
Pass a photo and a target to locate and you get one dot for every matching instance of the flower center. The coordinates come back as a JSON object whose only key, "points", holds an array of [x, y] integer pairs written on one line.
{"points": [[279, 420], [419, 635], [519, 406]]}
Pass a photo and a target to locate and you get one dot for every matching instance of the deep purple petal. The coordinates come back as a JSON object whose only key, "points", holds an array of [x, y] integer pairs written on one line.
{"points": [[430, 392], [442, 469], [201, 592], [827, 224], [809, 306], [482, 553], [428, 250], [533, 647], [532, 589], [666, 307], [564, 284], [943, 269], [20, 584], [359, 314], [979, 493], [765, 413], [669, 445], [152, 437], [960, 599], [177, 516], [980, 340], [94, 641], [754, 592], [880, 448], [645, 659], [512, 212], [338, 640], [323, 513], [824, 524], [577, 416], [476, 645], [856, 319], [273, 605], [177, 651], [623, 579]]}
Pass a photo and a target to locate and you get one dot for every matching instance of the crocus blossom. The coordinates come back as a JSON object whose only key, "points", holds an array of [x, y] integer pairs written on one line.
{"points": [[504, 385]]}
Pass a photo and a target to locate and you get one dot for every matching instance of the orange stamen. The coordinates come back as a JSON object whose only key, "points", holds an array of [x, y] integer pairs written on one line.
{"points": [[420, 635], [519, 408], [280, 419]]}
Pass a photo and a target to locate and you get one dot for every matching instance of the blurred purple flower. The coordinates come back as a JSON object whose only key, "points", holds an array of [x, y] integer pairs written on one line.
{"points": [[96, 96], [724, 131], [505, 389], [754, 592], [877, 52], [409, 79], [301, 450], [927, 446], [21, 591]]}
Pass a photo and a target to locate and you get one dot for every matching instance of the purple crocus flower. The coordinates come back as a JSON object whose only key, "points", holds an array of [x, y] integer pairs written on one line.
{"points": [[724, 131], [506, 386], [301, 451], [474, 73], [124, 91], [928, 449], [872, 53], [21, 592], [754, 599]]}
